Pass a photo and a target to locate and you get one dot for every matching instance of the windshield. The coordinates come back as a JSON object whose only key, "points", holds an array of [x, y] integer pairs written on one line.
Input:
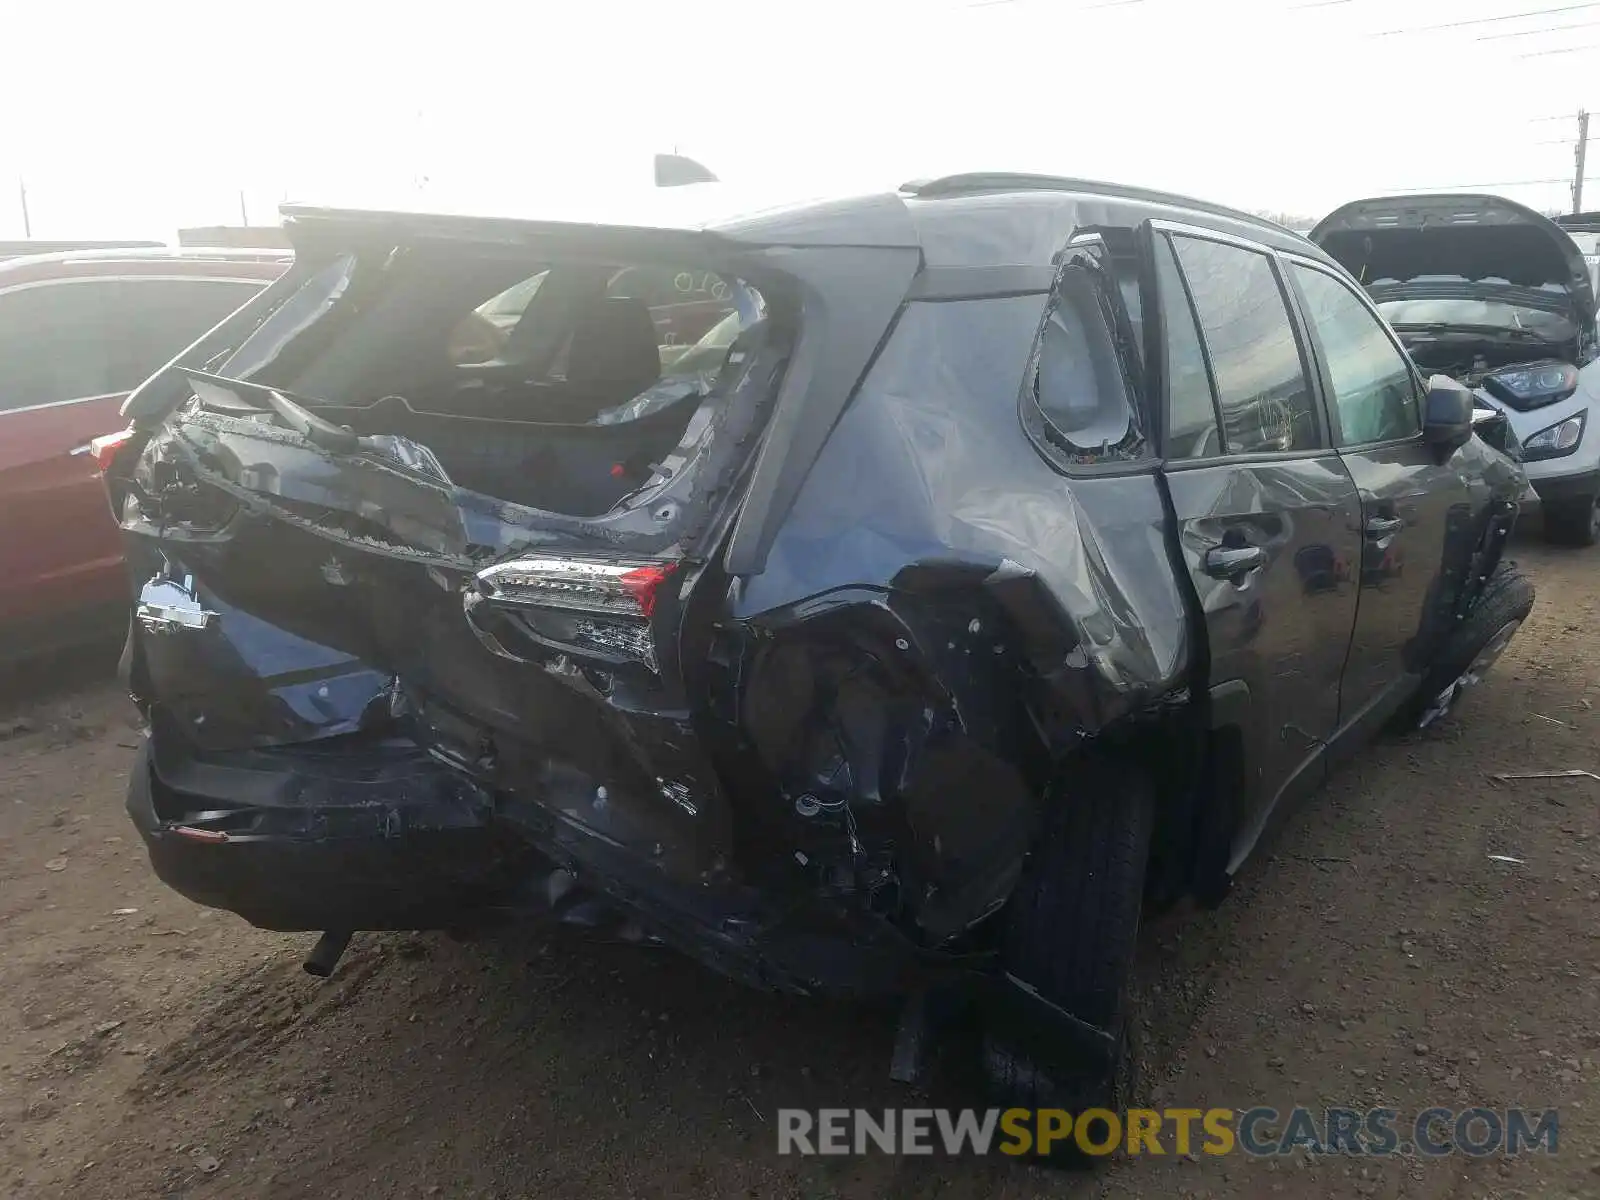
{"points": [[1496, 314]]}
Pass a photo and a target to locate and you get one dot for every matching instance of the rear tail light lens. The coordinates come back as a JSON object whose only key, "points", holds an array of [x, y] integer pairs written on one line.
{"points": [[642, 583], [105, 448], [579, 585], [601, 610]]}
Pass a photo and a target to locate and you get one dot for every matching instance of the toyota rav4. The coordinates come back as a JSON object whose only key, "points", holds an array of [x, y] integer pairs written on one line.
{"points": [[998, 559]]}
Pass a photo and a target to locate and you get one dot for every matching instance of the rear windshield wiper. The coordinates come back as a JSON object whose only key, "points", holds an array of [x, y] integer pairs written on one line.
{"points": [[325, 435]]}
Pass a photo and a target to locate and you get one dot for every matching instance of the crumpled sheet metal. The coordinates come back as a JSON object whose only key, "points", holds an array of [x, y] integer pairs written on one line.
{"points": [[929, 463]]}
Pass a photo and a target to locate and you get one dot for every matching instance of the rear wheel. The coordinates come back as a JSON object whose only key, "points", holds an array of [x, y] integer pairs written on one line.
{"points": [[1472, 648], [1070, 932], [1573, 522]]}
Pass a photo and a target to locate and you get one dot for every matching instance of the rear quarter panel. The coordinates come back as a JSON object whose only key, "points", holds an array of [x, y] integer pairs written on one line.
{"points": [[953, 614], [930, 464]]}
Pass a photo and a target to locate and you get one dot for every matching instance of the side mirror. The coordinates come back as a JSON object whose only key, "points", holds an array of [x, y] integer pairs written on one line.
{"points": [[1447, 414]]}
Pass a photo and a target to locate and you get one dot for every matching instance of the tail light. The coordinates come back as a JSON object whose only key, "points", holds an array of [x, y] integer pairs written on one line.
{"points": [[105, 448], [601, 610], [642, 583]]}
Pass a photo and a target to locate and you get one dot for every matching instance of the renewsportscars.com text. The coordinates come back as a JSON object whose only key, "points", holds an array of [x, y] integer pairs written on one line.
{"points": [[1261, 1130]]}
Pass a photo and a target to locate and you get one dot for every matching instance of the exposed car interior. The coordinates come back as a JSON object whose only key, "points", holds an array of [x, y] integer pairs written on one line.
{"points": [[563, 386]]}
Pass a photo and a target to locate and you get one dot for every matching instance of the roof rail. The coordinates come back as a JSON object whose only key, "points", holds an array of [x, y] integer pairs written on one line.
{"points": [[1020, 181], [987, 181], [30, 247]]}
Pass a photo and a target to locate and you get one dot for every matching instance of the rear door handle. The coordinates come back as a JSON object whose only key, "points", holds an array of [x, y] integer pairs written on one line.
{"points": [[1378, 527], [1232, 562]]}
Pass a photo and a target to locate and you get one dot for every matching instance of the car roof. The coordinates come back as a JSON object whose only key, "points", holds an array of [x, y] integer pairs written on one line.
{"points": [[977, 219], [77, 265], [31, 246], [984, 219], [124, 255]]}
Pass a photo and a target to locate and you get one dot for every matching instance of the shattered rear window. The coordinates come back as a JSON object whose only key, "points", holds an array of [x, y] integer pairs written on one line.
{"points": [[1079, 392]]}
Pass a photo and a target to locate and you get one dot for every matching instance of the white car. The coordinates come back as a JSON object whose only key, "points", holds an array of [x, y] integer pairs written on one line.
{"points": [[1584, 228], [1501, 298]]}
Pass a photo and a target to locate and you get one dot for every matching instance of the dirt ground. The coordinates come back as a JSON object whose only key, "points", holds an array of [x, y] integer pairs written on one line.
{"points": [[1379, 955]]}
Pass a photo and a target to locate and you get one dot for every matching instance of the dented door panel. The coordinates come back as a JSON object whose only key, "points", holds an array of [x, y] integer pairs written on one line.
{"points": [[1280, 627]]}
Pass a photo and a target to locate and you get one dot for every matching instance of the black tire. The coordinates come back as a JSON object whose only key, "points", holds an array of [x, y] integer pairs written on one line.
{"points": [[1070, 932], [1573, 522], [1506, 602]]}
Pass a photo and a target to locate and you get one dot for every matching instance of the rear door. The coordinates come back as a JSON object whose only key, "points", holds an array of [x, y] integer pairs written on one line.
{"points": [[70, 350], [1417, 526], [58, 546], [1267, 514]]}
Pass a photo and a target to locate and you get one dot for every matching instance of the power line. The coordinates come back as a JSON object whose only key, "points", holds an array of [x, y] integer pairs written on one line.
{"points": [[1560, 50], [1463, 187], [1490, 37], [1536, 12], [1076, 8]]}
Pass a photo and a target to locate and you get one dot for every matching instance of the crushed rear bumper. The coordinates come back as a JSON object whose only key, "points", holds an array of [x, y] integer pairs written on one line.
{"points": [[387, 839], [351, 835]]}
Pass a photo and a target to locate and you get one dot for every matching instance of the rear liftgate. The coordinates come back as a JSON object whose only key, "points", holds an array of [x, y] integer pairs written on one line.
{"points": [[347, 660]]}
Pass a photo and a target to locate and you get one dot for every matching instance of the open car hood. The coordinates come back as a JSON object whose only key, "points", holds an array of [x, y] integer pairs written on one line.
{"points": [[1398, 239]]}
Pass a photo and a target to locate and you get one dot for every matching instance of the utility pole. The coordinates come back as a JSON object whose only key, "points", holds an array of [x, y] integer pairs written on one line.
{"points": [[1579, 154], [244, 215], [22, 198]]}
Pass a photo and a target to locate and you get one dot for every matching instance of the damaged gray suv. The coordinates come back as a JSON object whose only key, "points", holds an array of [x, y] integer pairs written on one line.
{"points": [[891, 595]]}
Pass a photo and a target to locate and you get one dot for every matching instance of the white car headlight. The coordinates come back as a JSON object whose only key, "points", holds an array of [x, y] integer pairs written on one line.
{"points": [[1533, 385], [1558, 440]]}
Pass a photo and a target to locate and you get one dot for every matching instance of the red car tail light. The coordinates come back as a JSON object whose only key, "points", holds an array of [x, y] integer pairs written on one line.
{"points": [[642, 583], [105, 448]]}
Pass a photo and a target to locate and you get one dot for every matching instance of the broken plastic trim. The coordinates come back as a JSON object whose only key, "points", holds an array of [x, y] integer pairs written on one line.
{"points": [[168, 604]]}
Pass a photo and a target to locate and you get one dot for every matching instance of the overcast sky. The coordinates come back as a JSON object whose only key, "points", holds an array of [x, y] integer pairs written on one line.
{"points": [[134, 119]]}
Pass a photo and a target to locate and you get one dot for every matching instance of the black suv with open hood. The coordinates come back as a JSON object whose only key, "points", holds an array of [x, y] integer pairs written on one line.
{"points": [[886, 594]]}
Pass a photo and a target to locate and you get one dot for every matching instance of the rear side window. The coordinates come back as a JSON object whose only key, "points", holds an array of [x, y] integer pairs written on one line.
{"points": [[1262, 387], [75, 339], [1191, 411], [154, 319], [51, 346], [1079, 392]]}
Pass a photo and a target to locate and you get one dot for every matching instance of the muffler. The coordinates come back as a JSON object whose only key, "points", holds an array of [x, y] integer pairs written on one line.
{"points": [[326, 953]]}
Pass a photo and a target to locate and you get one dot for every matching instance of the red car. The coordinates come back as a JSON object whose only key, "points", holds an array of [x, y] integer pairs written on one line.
{"points": [[78, 332]]}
